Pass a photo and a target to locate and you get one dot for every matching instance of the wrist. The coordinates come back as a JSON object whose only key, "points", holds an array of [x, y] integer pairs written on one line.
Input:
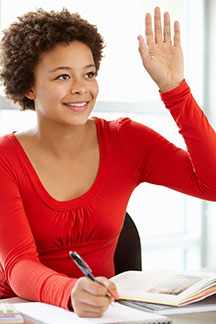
{"points": [[170, 86], [174, 95]]}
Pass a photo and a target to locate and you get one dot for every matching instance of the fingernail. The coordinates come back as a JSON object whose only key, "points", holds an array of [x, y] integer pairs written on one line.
{"points": [[138, 38], [116, 294], [112, 300]]}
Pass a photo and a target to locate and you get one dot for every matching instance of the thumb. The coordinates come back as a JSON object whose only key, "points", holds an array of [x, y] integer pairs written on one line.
{"points": [[142, 48], [110, 286]]}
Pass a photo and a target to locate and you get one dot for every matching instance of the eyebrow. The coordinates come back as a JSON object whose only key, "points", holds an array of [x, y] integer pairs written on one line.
{"points": [[70, 68]]}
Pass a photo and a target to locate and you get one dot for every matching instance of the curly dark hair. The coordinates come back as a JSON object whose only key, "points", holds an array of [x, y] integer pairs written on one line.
{"points": [[33, 34]]}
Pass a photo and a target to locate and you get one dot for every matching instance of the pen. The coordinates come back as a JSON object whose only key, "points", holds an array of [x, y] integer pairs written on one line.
{"points": [[84, 267]]}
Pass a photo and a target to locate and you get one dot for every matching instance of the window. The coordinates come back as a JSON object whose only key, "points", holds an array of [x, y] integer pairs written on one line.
{"points": [[169, 223]]}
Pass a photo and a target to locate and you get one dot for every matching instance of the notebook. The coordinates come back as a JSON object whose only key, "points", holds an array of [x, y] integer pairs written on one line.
{"points": [[9, 314], [49, 314]]}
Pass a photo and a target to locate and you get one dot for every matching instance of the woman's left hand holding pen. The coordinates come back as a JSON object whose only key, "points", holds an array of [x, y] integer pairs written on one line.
{"points": [[90, 298]]}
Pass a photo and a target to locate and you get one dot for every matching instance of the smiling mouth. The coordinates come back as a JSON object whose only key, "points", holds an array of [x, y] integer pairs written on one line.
{"points": [[76, 104]]}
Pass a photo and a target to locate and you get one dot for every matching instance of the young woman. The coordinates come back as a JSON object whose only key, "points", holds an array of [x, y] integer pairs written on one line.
{"points": [[65, 184]]}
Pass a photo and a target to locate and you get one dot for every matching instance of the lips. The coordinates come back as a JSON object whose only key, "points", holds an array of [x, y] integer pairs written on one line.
{"points": [[81, 104], [77, 106]]}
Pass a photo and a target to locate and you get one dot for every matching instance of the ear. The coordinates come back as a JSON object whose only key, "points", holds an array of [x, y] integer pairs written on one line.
{"points": [[30, 94]]}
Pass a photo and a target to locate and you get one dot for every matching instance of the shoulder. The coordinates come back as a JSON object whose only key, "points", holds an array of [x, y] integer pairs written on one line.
{"points": [[116, 124], [6, 142], [125, 127], [8, 150]]}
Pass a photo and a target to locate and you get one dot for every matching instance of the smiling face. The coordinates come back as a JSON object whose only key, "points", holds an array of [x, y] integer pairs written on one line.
{"points": [[65, 88]]}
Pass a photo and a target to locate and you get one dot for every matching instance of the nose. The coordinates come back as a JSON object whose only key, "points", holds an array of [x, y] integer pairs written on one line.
{"points": [[78, 87]]}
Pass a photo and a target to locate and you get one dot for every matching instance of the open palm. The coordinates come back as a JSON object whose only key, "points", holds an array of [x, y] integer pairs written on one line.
{"points": [[162, 59]]}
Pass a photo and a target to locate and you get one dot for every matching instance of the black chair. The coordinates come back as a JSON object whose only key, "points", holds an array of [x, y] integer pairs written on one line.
{"points": [[128, 251]]}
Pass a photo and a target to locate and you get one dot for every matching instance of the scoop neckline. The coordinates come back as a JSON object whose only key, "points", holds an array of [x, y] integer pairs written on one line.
{"points": [[85, 198]]}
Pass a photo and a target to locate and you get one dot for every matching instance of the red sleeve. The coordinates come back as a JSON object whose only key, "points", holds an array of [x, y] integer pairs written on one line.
{"points": [[156, 160], [24, 272]]}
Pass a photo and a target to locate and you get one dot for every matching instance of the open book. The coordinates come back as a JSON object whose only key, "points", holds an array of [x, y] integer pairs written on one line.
{"points": [[165, 287]]}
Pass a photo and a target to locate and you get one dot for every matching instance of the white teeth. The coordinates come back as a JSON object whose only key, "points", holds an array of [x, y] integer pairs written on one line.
{"points": [[77, 104]]}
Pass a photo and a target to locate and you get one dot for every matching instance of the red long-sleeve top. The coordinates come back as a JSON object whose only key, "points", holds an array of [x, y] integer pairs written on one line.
{"points": [[37, 231]]}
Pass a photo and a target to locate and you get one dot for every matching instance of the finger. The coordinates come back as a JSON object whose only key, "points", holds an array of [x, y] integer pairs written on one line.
{"points": [[110, 286], [157, 25], [84, 297], [167, 29], [87, 310], [177, 40], [95, 288], [148, 29], [88, 313], [142, 47], [97, 301], [85, 284]]}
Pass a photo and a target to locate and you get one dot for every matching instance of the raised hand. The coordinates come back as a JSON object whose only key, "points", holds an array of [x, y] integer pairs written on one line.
{"points": [[162, 58]]}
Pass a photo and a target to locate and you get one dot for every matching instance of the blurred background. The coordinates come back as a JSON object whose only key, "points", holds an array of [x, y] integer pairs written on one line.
{"points": [[177, 232]]}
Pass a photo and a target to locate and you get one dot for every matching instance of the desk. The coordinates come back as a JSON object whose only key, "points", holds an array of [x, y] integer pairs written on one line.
{"points": [[194, 318]]}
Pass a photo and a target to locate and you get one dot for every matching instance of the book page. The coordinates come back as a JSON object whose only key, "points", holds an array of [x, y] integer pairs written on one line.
{"points": [[159, 286], [207, 305]]}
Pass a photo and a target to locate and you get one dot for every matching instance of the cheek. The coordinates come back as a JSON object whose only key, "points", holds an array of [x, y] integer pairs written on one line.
{"points": [[52, 93], [48, 96], [95, 90]]}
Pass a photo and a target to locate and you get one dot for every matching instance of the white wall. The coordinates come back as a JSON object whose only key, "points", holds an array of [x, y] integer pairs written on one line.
{"points": [[210, 105]]}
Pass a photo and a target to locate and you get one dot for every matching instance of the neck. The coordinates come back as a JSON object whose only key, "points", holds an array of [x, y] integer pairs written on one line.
{"points": [[63, 141]]}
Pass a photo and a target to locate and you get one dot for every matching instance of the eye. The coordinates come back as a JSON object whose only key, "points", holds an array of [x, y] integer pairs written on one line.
{"points": [[63, 77], [90, 75]]}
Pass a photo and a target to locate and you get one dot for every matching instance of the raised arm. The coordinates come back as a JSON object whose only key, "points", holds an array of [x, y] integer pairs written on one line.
{"points": [[162, 57], [191, 172]]}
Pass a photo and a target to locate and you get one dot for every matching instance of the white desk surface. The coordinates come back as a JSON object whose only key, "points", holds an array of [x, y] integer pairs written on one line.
{"points": [[194, 318]]}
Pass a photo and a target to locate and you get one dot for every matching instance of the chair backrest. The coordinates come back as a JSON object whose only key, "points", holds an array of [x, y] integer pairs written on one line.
{"points": [[128, 251]]}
